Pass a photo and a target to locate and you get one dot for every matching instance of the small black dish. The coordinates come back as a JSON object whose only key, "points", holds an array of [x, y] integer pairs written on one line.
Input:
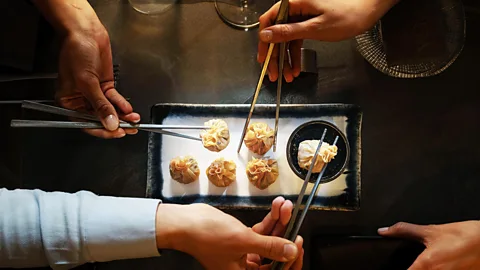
{"points": [[313, 131]]}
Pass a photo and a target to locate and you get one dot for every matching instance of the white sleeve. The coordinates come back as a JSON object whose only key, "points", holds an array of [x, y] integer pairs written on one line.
{"points": [[65, 230]]}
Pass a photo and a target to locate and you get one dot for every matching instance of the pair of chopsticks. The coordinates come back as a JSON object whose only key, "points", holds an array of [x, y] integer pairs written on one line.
{"points": [[294, 226], [94, 124], [282, 17]]}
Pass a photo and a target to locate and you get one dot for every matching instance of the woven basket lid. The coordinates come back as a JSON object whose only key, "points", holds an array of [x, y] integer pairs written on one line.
{"points": [[415, 40]]}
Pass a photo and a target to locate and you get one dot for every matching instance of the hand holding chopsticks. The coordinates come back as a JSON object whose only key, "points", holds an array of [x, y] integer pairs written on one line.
{"points": [[93, 123], [282, 17], [294, 226]]}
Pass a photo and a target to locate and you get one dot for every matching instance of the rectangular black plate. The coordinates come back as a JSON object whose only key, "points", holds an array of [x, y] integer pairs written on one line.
{"points": [[348, 201]]}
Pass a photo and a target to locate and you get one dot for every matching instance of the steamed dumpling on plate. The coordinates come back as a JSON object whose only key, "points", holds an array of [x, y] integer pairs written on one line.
{"points": [[262, 172], [259, 138], [184, 169], [217, 137], [306, 151], [222, 172]]}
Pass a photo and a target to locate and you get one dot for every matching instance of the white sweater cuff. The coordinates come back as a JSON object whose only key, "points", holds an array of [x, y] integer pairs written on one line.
{"points": [[120, 228]]}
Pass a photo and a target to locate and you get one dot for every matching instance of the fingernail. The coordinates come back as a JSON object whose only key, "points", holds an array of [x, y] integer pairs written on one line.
{"points": [[290, 251], [133, 133], [111, 122], [266, 35], [121, 135], [384, 229]]}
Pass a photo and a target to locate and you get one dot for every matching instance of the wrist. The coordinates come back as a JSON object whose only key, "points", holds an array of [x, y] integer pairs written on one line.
{"points": [[168, 226], [70, 17]]}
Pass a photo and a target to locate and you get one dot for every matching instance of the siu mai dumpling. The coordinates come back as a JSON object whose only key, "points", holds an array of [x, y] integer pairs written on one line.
{"points": [[184, 169], [262, 172], [222, 172], [259, 138], [306, 151], [217, 137]]}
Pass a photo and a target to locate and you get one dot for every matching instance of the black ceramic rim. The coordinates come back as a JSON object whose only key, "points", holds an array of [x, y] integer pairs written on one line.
{"points": [[341, 137]]}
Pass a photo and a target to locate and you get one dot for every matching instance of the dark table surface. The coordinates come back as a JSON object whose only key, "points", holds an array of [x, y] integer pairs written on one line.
{"points": [[420, 147]]}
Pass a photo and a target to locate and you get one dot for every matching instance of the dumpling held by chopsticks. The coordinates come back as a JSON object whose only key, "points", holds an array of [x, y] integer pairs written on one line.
{"points": [[306, 151], [184, 169], [259, 138], [217, 137]]}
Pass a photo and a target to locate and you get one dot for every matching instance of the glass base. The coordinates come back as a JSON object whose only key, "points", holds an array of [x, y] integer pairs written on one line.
{"points": [[152, 7], [243, 14]]}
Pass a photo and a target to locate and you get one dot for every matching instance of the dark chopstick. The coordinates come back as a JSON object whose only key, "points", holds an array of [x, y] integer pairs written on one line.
{"points": [[292, 234]]}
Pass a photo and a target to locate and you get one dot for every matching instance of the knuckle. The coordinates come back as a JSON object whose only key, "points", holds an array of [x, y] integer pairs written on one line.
{"points": [[88, 78], [285, 30], [269, 248], [425, 262], [399, 226], [102, 106]]}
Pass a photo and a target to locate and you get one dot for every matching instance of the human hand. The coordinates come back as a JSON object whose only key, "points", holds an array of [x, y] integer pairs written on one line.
{"points": [[215, 239], [86, 80], [328, 20], [275, 224], [448, 246]]}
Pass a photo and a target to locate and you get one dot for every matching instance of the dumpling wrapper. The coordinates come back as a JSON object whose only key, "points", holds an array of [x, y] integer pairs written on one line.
{"points": [[222, 172], [217, 137], [184, 169], [262, 172], [306, 151], [259, 138]]}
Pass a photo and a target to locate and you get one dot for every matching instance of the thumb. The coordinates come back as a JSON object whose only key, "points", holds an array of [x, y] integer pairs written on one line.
{"points": [[285, 32], [102, 107], [405, 230], [272, 247]]}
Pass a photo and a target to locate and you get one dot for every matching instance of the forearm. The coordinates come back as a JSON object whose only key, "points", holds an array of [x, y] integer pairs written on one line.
{"points": [[64, 230], [383, 6], [69, 16]]}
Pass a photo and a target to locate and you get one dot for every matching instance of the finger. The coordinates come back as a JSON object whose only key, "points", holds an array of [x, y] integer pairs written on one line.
{"points": [[131, 131], [287, 70], [255, 258], [268, 223], [273, 69], [296, 56], [286, 212], [253, 266], [298, 264], [106, 134], [299, 243], [271, 247], [289, 32], [405, 230], [285, 215], [116, 99], [101, 105], [131, 117], [277, 204], [266, 20]]}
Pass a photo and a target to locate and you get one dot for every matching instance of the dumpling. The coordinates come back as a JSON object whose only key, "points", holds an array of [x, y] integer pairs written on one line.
{"points": [[307, 149], [222, 172], [259, 138], [184, 169], [262, 172], [217, 137]]}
